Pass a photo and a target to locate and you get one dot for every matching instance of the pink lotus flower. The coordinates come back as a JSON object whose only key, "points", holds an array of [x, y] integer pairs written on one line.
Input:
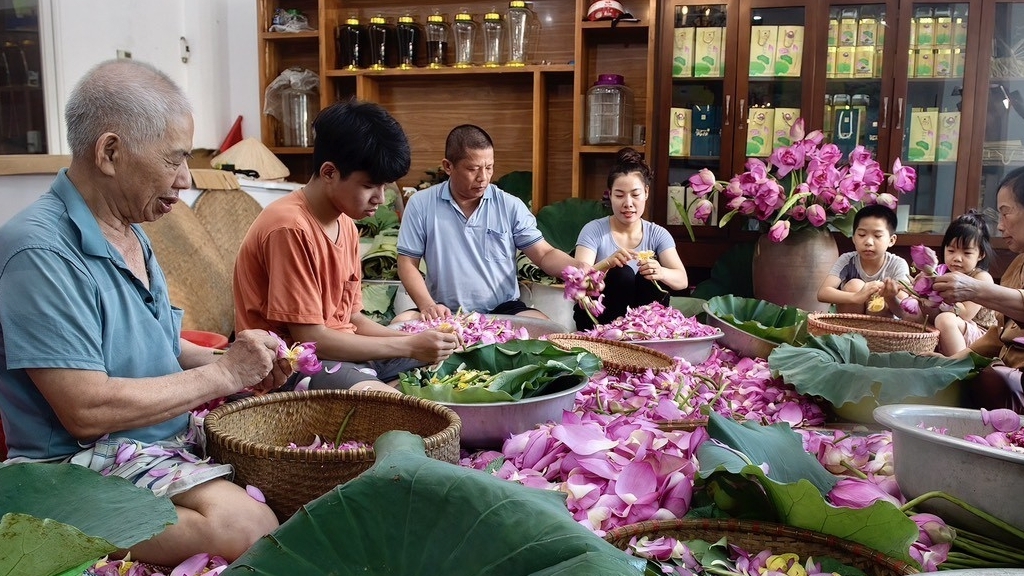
{"points": [[858, 493], [804, 185], [701, 211], [779, 231], [1002, 419]]}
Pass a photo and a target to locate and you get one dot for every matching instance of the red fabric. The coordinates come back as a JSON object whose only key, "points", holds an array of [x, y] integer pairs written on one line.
{"points": [[234, 136]]}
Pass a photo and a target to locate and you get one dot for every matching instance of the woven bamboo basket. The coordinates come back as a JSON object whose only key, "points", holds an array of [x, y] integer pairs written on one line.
{"points": [[756, 536], [616, 356], [882, 334], [253, 434]]}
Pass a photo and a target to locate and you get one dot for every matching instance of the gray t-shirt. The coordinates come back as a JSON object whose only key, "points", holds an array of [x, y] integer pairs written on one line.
{"points": [[597, 235], [848, 267]]}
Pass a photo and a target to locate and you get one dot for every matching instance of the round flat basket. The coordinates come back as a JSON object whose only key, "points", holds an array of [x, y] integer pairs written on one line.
{"points": [[253, 434], [757, 536], [882, 334], [616, 356]]}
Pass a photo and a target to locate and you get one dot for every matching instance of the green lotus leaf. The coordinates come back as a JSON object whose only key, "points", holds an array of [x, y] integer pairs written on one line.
{"points": [[764, 59], [796, 485], [757, 68], [841, 369], [923, 145], [787, 59], [561, 222], [412, 515], [781, 68], [780, 324], [383, 220], [519, 183], [522, 369], [58, 516]]}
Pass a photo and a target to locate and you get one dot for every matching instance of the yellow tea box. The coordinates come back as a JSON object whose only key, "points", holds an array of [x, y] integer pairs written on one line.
{"points": [[879, 60], [867, 31], [682, 52], [943, 65], [789, 53], [679, 131], [763, 40], [924, 63], [844, 62], [959, 63], [760, 131], [676, 205], [923, 125], [911, 62], [943, 31], [948, 137], [707, 51], [925, 32], [830, 62], [833, 31], [959, 32], [847, 31], [784, 120], [864, 62], [880, 33]]}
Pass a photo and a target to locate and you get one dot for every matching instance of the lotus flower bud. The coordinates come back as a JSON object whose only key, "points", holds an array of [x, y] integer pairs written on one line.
{"points": [[1002, 419]]}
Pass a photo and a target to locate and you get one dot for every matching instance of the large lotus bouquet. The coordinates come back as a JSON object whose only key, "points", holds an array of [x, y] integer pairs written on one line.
{"points": [[802, 185]]}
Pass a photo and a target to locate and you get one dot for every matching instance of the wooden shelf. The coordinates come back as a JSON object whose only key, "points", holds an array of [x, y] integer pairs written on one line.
{"points": [[453, 71], [307, 35]]}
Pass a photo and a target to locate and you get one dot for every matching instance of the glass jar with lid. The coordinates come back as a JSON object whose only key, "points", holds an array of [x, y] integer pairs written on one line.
{"points": [[522, 26], [493, 36], [409, 36], [383, 44], [609, 111], [350, 41], [464, 30], [437, 32]]}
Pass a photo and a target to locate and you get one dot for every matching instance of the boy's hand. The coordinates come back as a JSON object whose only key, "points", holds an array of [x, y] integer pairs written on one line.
{"points": [[869, 290]]}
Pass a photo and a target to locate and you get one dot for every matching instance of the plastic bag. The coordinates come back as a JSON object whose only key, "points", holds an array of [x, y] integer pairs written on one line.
{"points": [[289, 80], [290, 21]]}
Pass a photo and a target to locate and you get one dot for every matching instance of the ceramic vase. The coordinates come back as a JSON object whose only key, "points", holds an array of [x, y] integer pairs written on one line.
{"points": [[788, 273]]}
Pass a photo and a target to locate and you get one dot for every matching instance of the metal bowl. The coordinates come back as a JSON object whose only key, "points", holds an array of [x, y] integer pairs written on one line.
{"points": [[740, 342], [693, 350], [984, 477], [488, 425]]}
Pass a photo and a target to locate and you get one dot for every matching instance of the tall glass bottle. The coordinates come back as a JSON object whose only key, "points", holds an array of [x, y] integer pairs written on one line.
{"points": [[350, 40], [521, 24], [437, 32], [493, 35], [464, 30], [383, 45], [409, 37]]}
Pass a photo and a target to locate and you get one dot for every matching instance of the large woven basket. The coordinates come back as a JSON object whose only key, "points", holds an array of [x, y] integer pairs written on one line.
{"points": [[882, 334], [253, 434], [616, 356], [757, 536]]}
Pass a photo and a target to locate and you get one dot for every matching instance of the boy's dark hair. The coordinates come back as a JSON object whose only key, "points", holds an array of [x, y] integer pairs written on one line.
{"points": [[628, 161], [361, 136], [876, 211], [462, 139], [968, 229]]}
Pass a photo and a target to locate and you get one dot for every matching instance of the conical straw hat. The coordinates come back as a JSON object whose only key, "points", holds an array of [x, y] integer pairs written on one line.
{"points": [[251, 154]]}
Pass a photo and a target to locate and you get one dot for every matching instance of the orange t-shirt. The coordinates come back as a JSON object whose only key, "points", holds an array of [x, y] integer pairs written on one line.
{"points": [[289, 272]]}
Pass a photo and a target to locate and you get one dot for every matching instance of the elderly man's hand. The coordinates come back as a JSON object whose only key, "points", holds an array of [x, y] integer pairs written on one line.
{"points": [[253, 363]]}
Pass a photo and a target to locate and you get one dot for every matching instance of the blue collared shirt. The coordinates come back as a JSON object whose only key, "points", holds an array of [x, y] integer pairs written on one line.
{"points": [[68, 300], [471, 262]]}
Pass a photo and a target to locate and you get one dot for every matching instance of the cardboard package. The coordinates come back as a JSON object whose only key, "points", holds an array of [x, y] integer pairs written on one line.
{"points": [[948, 139], [833, 32], [844, 62], [707, 51], [959, 39], [846, 128], [925, 32], [830, 62], [922, 134], [707, 131], [944, 32], [763, 40], [760, 131], [682, 52], [789, 52], [847, 31], [676, 205], [867, 32], [864, 62], [680, 131], [785, 118], [943, 63], [924, 63]]}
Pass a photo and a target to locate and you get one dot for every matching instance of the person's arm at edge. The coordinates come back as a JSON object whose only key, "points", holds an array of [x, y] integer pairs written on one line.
{"points": [[413, 281], [550, 259], [371, 342]]}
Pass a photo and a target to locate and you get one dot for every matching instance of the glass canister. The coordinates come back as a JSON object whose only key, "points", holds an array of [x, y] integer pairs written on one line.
{"points": [[464, 30], [521, 26], [493, 35], [383, 44], [300, 107], [609, 111], [409, 36], [350, 40], [437, 33]]}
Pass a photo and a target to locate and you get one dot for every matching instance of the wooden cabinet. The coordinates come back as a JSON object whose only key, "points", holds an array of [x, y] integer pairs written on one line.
{"points": [[905, 79], [534, 113]]}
